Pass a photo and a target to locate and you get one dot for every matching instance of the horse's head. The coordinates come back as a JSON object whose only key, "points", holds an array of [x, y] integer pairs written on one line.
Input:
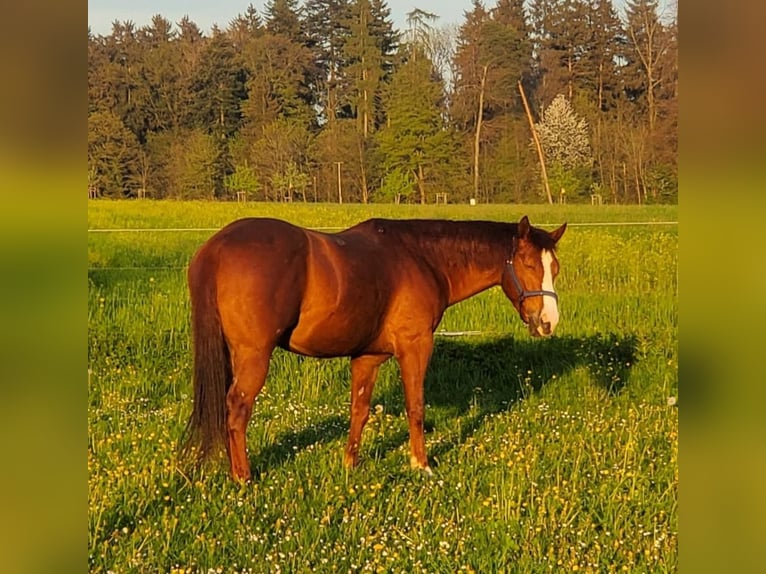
{"points": [[529, 274]]}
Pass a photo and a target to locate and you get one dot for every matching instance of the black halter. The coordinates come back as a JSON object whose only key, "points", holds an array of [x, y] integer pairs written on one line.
{"points": [[524, 294]]}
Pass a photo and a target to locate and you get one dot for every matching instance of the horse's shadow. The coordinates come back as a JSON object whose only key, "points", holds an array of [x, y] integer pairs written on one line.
{"points": [[289, 444], [477, 380], [474, 380], [494, 374]]}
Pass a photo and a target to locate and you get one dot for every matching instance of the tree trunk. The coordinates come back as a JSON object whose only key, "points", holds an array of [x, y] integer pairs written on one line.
{"points": [[625, 191], [537, 144], [366, 108], [650, 54], [600, 87], [421, 185], [331, 98], [363, 173], [477, 137], [340, 185]]}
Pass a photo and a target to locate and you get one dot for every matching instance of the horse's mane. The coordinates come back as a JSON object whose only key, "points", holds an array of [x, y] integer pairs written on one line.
{"points": [[454, 242], [464, 239]]}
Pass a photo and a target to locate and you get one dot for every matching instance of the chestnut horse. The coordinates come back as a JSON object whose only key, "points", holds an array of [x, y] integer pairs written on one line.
{"points": [[371, 292]]}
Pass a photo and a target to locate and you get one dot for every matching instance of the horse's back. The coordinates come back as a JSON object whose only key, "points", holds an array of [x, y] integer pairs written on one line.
{"points": [[253, 231]]}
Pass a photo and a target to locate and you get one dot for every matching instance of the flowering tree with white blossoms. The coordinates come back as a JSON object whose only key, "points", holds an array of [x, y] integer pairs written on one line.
{"points": [[566, 147]]}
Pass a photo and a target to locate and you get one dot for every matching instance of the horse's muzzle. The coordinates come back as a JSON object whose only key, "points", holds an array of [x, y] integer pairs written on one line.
{"points": [[538, 327]]}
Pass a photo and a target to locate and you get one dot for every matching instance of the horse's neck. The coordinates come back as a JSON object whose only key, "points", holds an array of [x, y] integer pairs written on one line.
{"points": [[471, 261], [472, 278]]}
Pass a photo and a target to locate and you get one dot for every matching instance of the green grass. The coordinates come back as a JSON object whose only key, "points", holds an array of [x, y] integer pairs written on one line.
{"points": [[163, 214], [549, 455]]}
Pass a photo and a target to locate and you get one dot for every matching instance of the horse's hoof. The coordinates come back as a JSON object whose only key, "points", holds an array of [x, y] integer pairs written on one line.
{"points": [[242, 477], [423, 468], [350, 461]]}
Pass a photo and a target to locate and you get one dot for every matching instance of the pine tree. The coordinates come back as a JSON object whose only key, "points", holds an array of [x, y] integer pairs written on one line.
{"points": [[386, 37], [606, 48], [416, 140], [244, 27], [99, 86], [191, 43], [368, 55], [283, 18], [113, 150], [161, 76], [279, 73], [219, 90], [126, 94], [327, 27], [366, 67], [468, 67], [493, 55], [219, 87], [601, 99], [561, 31]]}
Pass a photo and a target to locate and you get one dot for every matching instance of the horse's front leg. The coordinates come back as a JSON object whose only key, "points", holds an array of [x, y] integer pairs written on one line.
{"points": [[364, 373], [413, 361]]}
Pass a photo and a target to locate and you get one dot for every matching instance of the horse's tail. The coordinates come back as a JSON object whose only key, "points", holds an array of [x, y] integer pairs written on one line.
{"points": [[205, 433]]}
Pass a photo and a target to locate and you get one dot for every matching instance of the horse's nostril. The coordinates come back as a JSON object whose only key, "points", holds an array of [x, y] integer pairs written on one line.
{"points": [[547, 327]]}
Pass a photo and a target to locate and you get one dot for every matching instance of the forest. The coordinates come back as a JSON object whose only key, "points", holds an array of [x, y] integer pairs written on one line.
{"points": [[556, 101]]}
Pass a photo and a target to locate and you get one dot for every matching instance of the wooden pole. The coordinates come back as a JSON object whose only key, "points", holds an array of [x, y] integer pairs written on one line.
{"points": [[340, 188], [537, 144]]}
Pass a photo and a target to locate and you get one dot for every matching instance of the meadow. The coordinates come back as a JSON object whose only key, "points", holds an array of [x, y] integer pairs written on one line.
{"points": [[555, 455]]}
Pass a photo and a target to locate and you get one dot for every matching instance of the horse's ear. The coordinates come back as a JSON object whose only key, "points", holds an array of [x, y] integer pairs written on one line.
{"points": [[556, 234], [523, 230]]}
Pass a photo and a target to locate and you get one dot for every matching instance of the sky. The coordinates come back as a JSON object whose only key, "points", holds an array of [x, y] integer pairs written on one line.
{"points": [[101, 13]]}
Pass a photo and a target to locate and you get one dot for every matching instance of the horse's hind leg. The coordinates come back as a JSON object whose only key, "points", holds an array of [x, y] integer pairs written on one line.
{"points": [[250, 367], [364, 372]]}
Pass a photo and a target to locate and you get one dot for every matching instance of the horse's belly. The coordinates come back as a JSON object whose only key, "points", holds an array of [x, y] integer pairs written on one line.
{"points": [[329, 337]]}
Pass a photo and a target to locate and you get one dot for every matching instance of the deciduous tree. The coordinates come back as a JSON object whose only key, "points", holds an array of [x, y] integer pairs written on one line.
{"points": [[566, 146]]}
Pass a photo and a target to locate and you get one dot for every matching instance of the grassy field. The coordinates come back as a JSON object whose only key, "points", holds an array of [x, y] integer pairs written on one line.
{"points": [[554, 455]]}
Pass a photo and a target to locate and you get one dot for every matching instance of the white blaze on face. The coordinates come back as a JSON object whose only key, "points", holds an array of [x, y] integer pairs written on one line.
{"points": [[550, 312]]}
